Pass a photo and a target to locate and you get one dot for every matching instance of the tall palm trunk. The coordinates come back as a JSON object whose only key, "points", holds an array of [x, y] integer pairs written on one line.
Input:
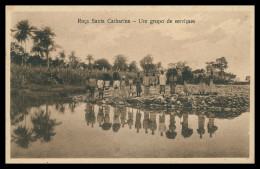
{"points": [[25, 52]]}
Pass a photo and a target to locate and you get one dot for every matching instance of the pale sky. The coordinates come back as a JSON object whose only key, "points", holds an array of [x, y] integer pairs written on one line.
{"points": [[215, 34]]}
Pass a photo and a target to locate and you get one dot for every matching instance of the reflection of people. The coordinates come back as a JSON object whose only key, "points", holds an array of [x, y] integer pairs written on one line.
{"points": [[171, 134], [116, 121], [146, 121], [92, 115], [123, 115], [100, 117], [138, 124], [153, 125], [186, 131], [106, 125], [130, 120], [87, 110], [211, 127], [201, 122], [162, 127]]}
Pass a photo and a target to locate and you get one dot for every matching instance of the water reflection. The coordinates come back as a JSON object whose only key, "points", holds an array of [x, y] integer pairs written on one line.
{"points": [[43, 129], [43, 126], [22, 136], [201, 122], [107, 124], [211, 127], [171, 133], [116, 122], [153, 124], [107, 117], [186, 131]]}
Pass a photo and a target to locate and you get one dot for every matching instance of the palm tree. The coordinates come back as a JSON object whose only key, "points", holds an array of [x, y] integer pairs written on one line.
{"points": [[44, 43], [62, 55], [23, 31], [89, 59]]}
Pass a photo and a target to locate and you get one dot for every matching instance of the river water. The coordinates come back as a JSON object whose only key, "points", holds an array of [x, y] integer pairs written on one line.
{"points": [[84, 130]]}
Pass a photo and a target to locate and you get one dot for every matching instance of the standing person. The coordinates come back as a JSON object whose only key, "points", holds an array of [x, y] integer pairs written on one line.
{"points": [[107, 93], [172, 77], [202, 84], [107, 78], [92, 83], [162, 126], [131, 89], [185, 88], [123, 87], [146, 81], [212, 85], [153, 124], [153, 84], [138, 85], [116, 85], [138, 124], [100, 85], [162, 80]]}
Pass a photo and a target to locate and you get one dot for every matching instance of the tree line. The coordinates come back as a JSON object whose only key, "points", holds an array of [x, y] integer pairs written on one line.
{"points": [[44, 44]]}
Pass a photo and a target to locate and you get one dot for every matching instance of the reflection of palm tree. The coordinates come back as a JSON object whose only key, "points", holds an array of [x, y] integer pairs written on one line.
{"points": [[22, 137], [43, 126], [186, 131]]}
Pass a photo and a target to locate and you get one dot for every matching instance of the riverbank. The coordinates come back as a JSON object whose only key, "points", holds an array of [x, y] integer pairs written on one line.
{"points": [[231, 99], [58, 92]]}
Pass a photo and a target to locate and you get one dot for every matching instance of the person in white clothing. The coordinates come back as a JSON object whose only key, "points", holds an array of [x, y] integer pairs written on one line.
{"points": [[162, 80]]}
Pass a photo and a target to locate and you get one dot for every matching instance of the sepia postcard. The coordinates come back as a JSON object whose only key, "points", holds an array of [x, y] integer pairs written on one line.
{"points": [[130, 84]]}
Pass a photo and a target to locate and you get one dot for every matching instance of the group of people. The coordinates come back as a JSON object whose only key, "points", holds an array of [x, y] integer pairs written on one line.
{"points": [[123, 87], [125, 116]]}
